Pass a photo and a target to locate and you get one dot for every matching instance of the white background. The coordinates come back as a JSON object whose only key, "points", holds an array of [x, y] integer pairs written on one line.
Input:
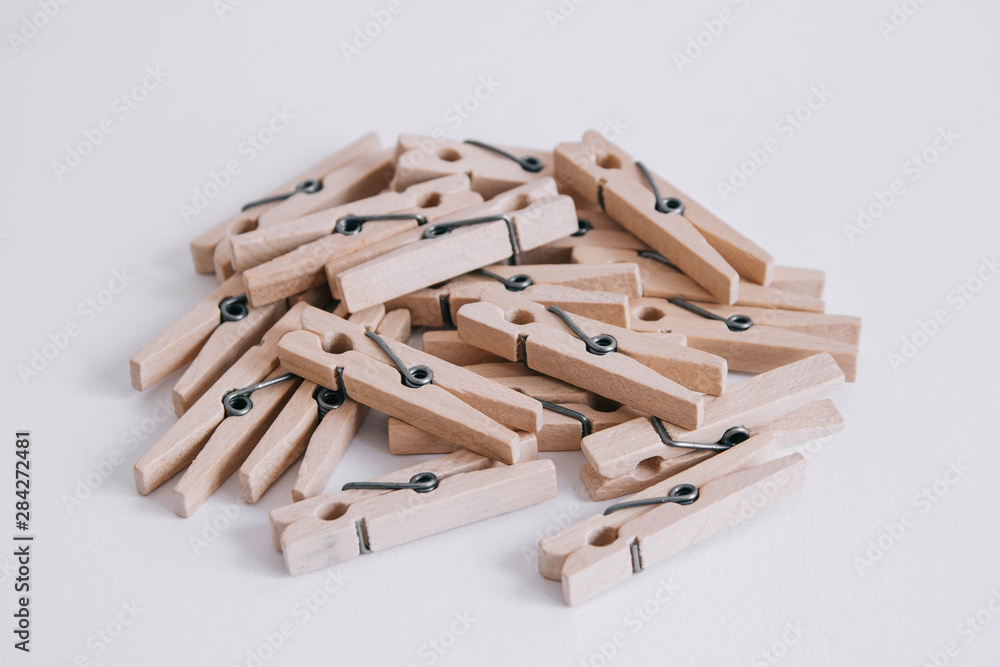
{"points": [[734, 596]]}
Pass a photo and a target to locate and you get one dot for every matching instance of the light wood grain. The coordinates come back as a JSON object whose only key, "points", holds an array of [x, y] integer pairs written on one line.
{"points": [[305, 266], [605, 174], [387, 520], [186, 437], [647, 312], [669, 529], [447, 345], [358, 179], [537, 219], [179, 343], [263, 244], [756, 350], [297, 426], [421, 158], [598, 294], [326, 504], [559, 433], [500, 322], [226, 344], [377, 385], [337, 429], [229, 446], [203, 247], [660, 280], [807, 282], [820, 419], [505, 406], [752, 403], [606, 538]]}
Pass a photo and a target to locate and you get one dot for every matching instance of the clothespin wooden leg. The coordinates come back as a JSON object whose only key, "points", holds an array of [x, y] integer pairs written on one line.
{"points": [[226, 344], [816, 420], [229, 446]]}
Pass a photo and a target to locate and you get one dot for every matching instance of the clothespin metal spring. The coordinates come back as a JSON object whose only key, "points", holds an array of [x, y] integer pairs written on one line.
{"points": [[442, 228], [600, 345], [309, 187], [585, 425], [234, 308], [349, 225], [732, 437], [516, 283], [682, 494], [529, 163], [238, 403], [414, 377], [328, 399], [733, 322], [663, 204], [422, 482]]}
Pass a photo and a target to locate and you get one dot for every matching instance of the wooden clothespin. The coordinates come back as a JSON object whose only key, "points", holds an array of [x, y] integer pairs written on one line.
{"points": [[819, 419], [223, 309], [317, 424], [263, 244], [418, 388], [493, 169], [659, 448], [600, 292], [209, 338], [704, 247], [203, 247], [571, 413], [603, 551], [448, 345], [594, 229], [186, 438], [519, 219], [406, 505], [793, 289], [341, 232], [752, 345], [564, 425], [657, 376], [843, 328], [360, 170]]}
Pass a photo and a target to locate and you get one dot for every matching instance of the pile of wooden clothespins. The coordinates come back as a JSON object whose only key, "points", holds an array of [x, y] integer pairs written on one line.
{"points": [[575, 301]]}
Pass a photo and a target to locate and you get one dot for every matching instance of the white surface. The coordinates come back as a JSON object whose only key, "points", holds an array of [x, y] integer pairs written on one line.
{"points": [[736, 593]]}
